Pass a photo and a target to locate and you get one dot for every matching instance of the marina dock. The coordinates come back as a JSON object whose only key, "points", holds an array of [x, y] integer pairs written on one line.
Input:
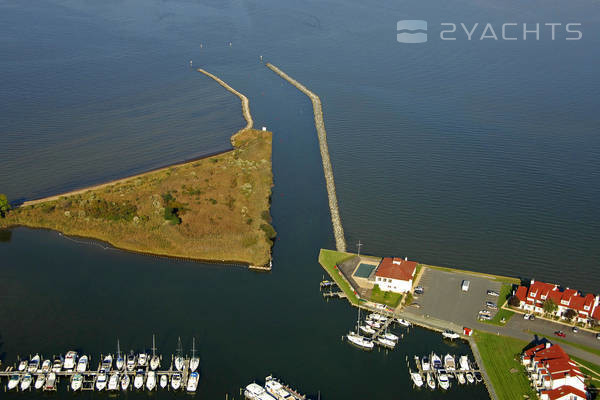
{"points": [[63, 378]]}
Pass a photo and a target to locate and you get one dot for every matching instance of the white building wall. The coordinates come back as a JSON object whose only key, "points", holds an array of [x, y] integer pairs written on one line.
{"points": [[393, 285]]}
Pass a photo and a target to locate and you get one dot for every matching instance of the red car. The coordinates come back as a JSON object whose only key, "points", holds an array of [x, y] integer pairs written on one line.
{"points": [[560, 334]]}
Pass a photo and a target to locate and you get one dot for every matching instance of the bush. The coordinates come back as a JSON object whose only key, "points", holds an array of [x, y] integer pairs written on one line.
{"points": [[514, 301], [266, 216], [172, 209], [269, 231], [4, 205]]}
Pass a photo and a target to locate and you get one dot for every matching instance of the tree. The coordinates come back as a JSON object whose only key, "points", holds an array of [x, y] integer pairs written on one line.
{"points": [[514, 301], [570, 314], [550, 306], [4, 205]]}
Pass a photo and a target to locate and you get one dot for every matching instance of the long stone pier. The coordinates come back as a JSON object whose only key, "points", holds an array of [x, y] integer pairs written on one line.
{"points": [[338, 231], [244, 99]]}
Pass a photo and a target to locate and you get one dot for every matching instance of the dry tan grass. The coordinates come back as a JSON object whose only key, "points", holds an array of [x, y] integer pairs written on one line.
{"points": [[226, 199]]}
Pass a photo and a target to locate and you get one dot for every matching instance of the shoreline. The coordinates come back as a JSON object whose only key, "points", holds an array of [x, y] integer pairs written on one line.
{"points": [[121, 180]]}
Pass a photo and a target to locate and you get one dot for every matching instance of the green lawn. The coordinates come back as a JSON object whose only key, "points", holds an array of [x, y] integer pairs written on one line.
{"points": [[505, 292], [504, 279], [565, 341], [328, 260], [501, 355], [388, 298]]}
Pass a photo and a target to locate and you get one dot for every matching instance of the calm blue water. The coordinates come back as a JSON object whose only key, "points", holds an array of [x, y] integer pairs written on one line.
{"points": [[478, 154]]}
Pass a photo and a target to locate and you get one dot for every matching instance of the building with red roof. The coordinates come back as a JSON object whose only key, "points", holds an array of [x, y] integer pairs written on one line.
{"points": [[563, 393], [395, 274], [552, 372], [532, 299]]}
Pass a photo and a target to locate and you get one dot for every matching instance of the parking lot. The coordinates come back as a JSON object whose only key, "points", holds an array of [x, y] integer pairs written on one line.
{"points": [[444, 299]]}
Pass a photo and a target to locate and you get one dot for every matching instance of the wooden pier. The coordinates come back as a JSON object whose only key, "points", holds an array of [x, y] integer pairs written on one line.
{"points": [[453, 374]]}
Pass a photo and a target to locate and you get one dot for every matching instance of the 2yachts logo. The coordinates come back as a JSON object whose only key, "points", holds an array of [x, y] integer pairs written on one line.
{"points": [[415, 31]]}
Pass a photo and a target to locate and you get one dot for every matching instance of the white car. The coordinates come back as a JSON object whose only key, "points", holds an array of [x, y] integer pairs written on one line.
{"points": [[526, 316]]}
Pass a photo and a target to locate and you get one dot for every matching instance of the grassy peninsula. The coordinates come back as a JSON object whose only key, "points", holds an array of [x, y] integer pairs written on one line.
{"points": [[213, 209]]}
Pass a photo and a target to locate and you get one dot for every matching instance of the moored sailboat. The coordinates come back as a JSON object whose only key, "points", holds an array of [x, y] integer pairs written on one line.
{"points": [[194, 361]]}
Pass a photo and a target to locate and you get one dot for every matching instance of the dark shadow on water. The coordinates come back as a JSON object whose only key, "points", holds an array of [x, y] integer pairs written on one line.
{"points": [[5, 235]]}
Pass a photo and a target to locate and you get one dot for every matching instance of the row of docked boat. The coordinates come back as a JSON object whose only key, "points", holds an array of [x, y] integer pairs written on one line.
{"points": [[435, 371], [374, 331], [272, 390], [134, 371]]}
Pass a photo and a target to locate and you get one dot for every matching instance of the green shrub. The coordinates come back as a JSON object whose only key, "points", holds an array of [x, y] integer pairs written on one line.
{"points": [[269, 231]]}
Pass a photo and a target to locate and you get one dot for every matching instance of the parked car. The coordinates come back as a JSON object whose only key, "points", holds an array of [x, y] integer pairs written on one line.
{"points": [[491, 305], [485, 317], [598, 336], [560, 334], [415, 305], [484, 312], [493, 293], [531, 317], [419, 290], [465, 286], [527, 316], [575, 329]]}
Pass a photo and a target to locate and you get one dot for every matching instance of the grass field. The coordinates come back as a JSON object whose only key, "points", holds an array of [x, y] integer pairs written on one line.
{"points": [[565, 341], [588, 368], [214, 209], [328, 260], [388, 298], [505, 292], [500, 356]]}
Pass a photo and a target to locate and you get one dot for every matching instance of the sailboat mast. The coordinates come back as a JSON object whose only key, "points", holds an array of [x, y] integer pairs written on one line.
{"points": [[118, 348], [153, 346]]}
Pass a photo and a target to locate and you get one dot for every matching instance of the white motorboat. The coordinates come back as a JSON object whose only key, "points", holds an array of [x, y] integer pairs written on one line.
{"points": [[70, 360], [179, 360], [13, 382], [470, 377], [57, 365], [26, 382], [367, 329], [138, 381], [417, 379], [463, 361], [50, 381], [46, 365], [142, 359], [256, 392], [386, 342], [436, 361], [277, 390], [443, 380], [107, 363], [425, 364], [113, 381], [120, 360], [461, 378], [194, 361], [192, 382], [164, 381], [125, 382], [373, 324], [76, 382], [39, 382], [101, 380], [377, 317], [403, 322], [391, 336], [151, 381], [430, 381], [34, 364], [448, 334], [82, 364], [22, 366], [131, 362], [176, 381], [360, 341], [155, 360], [449, 363]]}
